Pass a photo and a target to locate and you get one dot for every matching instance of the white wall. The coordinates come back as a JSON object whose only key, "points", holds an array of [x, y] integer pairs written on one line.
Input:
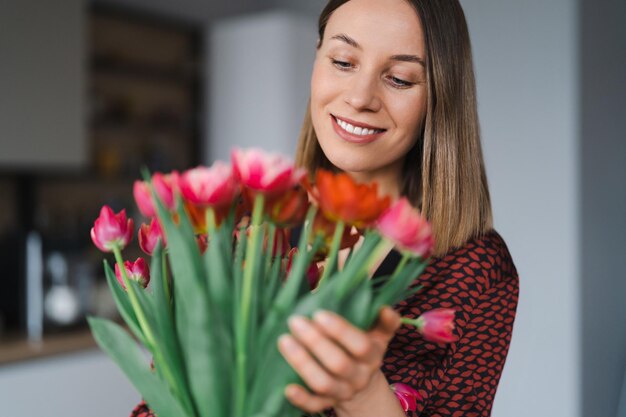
{"points": [[42, 84], [85, 384], [526, 62], [259, 69]]}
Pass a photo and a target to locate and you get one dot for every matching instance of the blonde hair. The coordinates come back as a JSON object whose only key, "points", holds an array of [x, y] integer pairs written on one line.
{"points": [[443, 174]]}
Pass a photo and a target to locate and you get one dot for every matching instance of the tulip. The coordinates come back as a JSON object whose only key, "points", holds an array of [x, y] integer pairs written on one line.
{"points": [[143, 198], [111, 230], [340, 198], [407, 229], [270, 174], [197, 217], [407, 396], [436, 325], [214, 186], [149, 235], [166, 187], [289, 209], [135, 271], [326, 228]]}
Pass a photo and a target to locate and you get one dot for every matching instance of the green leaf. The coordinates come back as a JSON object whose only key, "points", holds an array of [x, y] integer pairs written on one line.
{"points": [[126, 354], [357, 305], [194, 315], [123, 303], [170, 359]]}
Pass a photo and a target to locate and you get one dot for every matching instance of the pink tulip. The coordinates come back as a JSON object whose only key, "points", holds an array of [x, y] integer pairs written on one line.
{"points": [[137, 271], [407, 396], [166, 187], [266, 173], [437, 325], [111, 230], [404, 226], [149, 235], [214, 186], [143, 198]]}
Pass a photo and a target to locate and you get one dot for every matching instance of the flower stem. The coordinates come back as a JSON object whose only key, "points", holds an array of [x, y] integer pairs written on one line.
{"points": [[377, 255], [246, 301], [211, 220], [166, 281], [147, 330], [419, 322], [334, 253], [134, 301]]}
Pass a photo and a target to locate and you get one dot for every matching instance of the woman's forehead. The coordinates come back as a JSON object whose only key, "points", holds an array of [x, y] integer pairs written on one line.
{"points": [[392, 25]]}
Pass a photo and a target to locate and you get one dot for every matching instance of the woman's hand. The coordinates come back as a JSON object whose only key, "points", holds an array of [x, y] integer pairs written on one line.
{"points": [[336, 360]]}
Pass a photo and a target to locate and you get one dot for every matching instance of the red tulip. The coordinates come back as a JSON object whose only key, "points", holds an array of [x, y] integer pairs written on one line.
{"points": [[403, 225], [214, 186], [407, 396], [143, 198], [437, 325], [166, 187], [137, 271], [341, 198], [266, 173], [289, 209], [149, 235], [326, 228], [111, 230]]}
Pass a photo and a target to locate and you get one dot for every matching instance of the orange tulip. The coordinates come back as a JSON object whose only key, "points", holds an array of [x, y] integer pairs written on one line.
{"points": [[341, 198]]}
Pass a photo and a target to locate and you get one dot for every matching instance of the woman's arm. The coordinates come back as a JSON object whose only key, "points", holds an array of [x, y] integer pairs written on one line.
{"points": [[341, 365]]}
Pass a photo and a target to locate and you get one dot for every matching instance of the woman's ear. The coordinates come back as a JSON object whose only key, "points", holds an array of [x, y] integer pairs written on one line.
{"points": [[319, 43]]}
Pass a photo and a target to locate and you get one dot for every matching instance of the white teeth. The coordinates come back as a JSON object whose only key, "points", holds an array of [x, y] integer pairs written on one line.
{"points": [[361, 131]]}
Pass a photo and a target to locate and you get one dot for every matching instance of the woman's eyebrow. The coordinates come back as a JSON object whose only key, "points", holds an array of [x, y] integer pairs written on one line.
{"points": [[403, 57], [347, 39], [408, 58]]}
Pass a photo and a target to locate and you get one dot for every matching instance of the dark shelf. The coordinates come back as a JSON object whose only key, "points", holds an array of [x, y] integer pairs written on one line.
{"points": [[147, 72]]}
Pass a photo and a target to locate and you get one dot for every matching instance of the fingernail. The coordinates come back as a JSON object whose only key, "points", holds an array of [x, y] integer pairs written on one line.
{"points": [[287, 343], [297, 323], [324, 317]]}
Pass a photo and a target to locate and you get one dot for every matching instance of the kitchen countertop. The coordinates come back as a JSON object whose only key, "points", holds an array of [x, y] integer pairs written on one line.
{"points": [[18, 349]]}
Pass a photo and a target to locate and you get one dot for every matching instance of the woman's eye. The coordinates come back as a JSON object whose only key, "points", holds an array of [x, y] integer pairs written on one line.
{"points": [[342, 65], [398, 82]]}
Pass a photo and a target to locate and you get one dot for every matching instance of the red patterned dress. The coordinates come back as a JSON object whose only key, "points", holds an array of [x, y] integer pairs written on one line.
{"points": [[480, 282]]}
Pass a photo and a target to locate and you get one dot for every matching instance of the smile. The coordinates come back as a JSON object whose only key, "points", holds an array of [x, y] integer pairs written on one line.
{"points": [[356, 130], [354, 133]]}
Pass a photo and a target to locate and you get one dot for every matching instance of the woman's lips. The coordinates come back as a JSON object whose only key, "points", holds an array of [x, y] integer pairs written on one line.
{"points": [[352, 137]]}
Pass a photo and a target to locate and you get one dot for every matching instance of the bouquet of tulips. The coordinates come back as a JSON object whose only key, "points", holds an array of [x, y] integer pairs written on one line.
{"points": [[224, 279]]}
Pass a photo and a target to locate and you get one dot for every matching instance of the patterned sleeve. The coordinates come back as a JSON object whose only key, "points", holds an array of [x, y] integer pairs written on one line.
{"points": [[480, 282]]}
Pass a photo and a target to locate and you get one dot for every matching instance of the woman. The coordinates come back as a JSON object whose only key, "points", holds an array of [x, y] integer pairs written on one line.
{"points": [[393, 101]]}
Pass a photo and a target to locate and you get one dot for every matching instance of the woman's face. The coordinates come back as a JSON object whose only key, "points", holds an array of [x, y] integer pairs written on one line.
{"points": [[368, 88]]}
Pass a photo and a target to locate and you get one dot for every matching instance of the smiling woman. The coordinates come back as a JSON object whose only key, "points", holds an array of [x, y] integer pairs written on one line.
{"points": [[393, 101]]}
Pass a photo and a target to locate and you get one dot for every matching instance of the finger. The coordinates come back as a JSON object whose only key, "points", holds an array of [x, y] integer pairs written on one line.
{"points": [[356, 342], [311, 372], [388, 322], [330, 355], [304, 400]]}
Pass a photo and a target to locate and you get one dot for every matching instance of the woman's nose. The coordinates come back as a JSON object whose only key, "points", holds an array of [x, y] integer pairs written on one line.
{"points": [[362, 93]]}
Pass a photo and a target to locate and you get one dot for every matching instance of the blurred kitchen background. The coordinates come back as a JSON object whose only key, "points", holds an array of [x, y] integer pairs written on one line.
{"points": [[91, 91]]}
